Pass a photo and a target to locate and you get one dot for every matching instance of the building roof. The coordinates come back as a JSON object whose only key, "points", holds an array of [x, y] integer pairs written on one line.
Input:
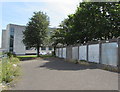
{"points": [[17, 25]]}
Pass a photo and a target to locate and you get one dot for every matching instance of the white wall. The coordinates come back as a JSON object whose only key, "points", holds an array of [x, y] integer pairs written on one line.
{"points": [[82, 53], [60, 52], [109, 53], [64, 52], [93, 53], [75, 53], [57, 52], [46, 50], [19, 47], [7, 37]]}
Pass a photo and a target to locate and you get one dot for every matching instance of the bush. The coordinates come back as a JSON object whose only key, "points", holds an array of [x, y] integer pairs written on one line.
{"points": [[0, 71], [10, 69], [9, 54]]}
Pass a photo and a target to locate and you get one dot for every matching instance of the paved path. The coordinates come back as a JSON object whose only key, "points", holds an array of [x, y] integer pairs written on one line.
{"points": [[55, 74]]}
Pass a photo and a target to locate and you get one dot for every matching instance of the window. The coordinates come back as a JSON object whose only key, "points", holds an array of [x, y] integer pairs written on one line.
{"points": [[27, 48], [11, 39], [43, 48], [12, 31], [11, 42], [50, 48]]}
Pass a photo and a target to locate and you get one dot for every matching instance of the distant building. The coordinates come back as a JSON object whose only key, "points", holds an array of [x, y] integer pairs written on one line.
{"points": [[12, 38]]}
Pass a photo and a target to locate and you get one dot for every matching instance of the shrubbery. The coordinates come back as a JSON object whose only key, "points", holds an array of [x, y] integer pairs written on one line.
{"points": [[10, 69], [9, 54]]}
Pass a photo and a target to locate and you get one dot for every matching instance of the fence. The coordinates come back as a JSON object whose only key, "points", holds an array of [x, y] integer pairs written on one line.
{"points": [[103, 52]]}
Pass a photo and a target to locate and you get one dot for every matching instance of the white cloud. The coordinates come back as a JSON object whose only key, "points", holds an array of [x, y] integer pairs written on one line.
{"points": [[57, 10], [60, 10]]}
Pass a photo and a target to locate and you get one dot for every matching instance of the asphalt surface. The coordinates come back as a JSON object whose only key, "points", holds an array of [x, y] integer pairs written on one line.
{"points": [[56, 74]]}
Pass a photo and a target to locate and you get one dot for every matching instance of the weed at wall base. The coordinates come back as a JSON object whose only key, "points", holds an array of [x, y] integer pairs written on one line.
{"points": [[83, 62], [109, 68]]}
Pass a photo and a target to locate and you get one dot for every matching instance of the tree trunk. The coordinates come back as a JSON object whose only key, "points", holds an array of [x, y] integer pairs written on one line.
{"points": [[38, 50], [54, 49]]}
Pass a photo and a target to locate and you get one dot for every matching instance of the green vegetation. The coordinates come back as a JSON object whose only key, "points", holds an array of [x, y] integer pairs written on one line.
{"points": [[27, 57], [92, 21], [83, 61], [30, 57], [110, 68], [0, 70], [10, 69], [36, 31], [0, 53], [10, 54]]}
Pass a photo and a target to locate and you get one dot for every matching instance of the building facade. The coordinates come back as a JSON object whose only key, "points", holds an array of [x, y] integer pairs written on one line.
{"points": [[12, 41]]}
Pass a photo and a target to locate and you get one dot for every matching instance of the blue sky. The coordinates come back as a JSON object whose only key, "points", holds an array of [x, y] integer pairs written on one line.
{"points": [[19, 12]]}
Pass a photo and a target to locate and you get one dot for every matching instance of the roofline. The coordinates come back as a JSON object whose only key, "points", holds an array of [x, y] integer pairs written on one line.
{"points": [[3, 29], [25, 26], [17, 25]]}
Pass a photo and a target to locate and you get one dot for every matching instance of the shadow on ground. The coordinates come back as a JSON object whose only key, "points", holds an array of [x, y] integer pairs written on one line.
{"points": [[61, 64]]}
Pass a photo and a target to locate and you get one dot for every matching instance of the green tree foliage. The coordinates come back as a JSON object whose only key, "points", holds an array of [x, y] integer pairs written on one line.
{"points": [[63, 35], [56, 38], [47, 40], [92, 21], [97, 20], [36, 30]]}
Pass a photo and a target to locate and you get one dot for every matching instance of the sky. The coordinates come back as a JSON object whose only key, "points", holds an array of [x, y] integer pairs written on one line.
{"points": [[19, 11]]}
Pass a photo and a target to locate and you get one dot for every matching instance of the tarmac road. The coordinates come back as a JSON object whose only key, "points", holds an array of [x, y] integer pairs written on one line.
{"points": [[56, 74]]}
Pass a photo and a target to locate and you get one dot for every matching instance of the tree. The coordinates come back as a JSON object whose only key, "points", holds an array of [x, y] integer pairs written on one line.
{"points": [[63, 34], [56, 38], [97, 21], [92, 21], [36, 30]]}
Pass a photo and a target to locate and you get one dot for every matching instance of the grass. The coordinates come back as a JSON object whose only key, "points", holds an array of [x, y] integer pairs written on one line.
{"points": [[29, 57], [25, 56], [0, 53]]}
